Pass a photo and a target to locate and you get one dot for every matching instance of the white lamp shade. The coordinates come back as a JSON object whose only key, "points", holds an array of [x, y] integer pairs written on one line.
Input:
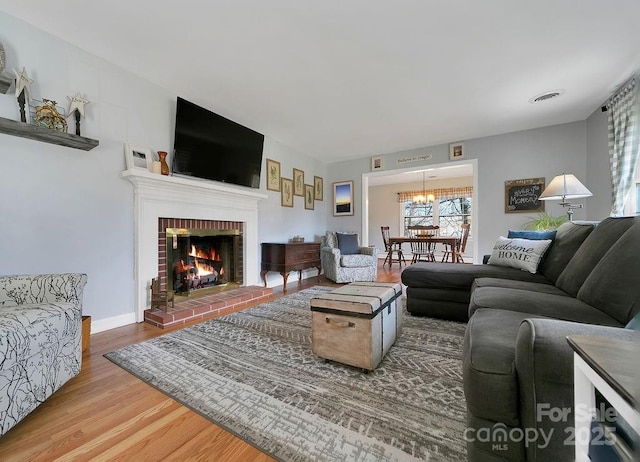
{"points": [[565, 186]]}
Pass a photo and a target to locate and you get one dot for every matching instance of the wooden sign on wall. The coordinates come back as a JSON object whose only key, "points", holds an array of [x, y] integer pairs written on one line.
{"points": [[522, 195]]}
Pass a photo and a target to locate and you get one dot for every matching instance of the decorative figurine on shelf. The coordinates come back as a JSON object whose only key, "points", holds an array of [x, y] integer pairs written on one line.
{"points": [[23, 88], [48, 116], [77, 105], [5, 80]]}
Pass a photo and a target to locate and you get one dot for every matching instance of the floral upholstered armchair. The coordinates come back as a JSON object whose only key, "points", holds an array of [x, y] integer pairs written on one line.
{"points": [[344, 260]]}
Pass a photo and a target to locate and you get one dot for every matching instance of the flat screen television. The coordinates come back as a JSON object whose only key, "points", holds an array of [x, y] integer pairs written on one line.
{"points": [[213, 147]]}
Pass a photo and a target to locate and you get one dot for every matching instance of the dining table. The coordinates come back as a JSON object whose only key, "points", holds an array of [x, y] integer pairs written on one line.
{"points": [[452, 241]]}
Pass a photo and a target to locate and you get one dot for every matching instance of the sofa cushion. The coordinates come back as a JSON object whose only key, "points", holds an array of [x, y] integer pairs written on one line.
{"points": [[524, 254], [551, 305], [512, 284], [489, 378], [569, 238], [613, 286], [357, 260], [591, 252], [348, 243], [458, 276]]}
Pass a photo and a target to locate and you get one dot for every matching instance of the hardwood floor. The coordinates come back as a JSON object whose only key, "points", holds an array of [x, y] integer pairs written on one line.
{"points": [[105, 413]]}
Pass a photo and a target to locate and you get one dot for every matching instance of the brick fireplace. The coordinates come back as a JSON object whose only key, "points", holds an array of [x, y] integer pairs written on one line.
{"points": [[187, 241], [190, 201]]}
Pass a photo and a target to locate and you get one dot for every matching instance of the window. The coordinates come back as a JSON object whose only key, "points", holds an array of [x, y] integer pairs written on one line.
{"points": [[449, 214]]}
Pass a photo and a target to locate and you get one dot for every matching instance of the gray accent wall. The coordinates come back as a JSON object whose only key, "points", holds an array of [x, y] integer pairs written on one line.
{"points": [[598, 169], [542, 152]]}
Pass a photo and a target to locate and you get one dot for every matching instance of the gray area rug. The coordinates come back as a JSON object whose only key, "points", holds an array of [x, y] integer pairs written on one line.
{"points": [[254, 374]]}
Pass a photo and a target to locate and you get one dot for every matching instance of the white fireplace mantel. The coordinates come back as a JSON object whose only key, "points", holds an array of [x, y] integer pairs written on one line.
{"points": [[157, 196]]}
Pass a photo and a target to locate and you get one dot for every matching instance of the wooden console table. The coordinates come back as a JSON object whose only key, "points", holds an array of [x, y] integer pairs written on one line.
{"points": [[286, 257]]}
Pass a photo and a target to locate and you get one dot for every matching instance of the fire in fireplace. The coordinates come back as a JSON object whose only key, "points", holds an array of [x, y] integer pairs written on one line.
{"points": [[201, 258]]}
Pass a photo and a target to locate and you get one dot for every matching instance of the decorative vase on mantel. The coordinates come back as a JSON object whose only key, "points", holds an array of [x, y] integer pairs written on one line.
{"points": [[164, 167]]}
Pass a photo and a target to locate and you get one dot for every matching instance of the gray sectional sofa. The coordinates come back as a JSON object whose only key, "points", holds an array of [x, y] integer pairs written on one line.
{"points": [[40, 340], [516, 358]]}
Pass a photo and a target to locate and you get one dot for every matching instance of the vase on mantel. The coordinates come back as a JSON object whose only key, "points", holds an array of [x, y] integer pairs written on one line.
{"points": [[164, 167]]}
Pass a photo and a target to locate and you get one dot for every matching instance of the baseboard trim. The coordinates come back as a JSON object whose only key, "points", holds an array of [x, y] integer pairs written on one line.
{"points": [[100, 325]]}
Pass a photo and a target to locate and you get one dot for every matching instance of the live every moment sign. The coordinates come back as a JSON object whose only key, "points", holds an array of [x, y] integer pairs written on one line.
{"points": [[522, 195]]}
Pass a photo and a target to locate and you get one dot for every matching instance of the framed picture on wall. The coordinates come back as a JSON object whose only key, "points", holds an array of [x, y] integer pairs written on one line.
{"points": [[343, 198], [308, 196], [318, 188], [273, 175], [298, 182], [287, 192], [377, 163], [137, 157], [456, 151]]}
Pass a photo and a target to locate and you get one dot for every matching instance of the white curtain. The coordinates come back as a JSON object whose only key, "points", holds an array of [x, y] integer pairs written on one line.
{"points": [[624, 141]]}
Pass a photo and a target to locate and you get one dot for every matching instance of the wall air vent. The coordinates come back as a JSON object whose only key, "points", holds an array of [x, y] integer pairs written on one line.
{"points": [[546, 96]]}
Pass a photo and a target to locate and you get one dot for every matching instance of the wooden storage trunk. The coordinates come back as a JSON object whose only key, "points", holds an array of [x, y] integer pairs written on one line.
{"points": [[356, 324]]}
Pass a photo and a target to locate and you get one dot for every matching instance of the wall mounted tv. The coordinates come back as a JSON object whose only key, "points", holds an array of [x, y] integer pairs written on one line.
{"points": [[210, 146]]}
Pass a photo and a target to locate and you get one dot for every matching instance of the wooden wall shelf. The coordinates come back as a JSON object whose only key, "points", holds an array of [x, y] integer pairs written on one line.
{"points": [[46, 135]]}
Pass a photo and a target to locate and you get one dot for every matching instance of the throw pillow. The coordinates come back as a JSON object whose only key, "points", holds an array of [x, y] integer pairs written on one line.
{"points": [[532, 235], [634, 324], [524, 254], [348, 243]]}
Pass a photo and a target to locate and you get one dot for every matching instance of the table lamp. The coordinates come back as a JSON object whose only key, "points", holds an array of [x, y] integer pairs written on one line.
{"points": [[564, 187]]}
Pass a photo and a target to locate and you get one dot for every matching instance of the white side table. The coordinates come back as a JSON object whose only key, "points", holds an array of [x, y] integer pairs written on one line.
{"points": [[611, 366]]}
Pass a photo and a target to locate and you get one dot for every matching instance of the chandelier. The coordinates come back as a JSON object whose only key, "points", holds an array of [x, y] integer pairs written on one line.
{"points": [[423, 198]]}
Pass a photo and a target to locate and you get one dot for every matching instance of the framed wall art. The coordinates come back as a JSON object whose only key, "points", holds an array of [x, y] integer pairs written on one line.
{"points": [[137, 157], [377, 163], [456, 151], [308, 196], [298, 182], [343, 198], [521, 196], [318, 188], [273, 175], [287, 192]]}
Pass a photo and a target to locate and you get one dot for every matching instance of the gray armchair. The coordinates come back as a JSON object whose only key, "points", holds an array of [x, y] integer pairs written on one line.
{"points": [[344, 260]]}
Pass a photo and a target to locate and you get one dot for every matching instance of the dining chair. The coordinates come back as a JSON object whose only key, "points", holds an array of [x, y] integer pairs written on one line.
{"points": [[460, 247], [391, 249], [423, 250]]}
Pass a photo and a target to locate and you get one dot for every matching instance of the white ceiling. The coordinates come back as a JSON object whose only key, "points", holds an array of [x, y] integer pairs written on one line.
{"points": [[348, 79]]}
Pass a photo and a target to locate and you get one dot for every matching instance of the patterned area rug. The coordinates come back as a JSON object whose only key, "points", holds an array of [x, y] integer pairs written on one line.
{"points": [[254, 374]]}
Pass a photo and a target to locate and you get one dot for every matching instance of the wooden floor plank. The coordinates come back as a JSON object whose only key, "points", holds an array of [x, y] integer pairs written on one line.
{"points": [[105, 413]]}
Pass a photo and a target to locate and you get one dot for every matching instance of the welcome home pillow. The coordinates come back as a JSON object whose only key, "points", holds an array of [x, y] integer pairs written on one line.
{"points": [[524, 254]]}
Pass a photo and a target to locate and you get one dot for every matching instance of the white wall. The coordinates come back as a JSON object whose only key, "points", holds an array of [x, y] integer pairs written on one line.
{"points": [[543, 152], [278, 223], [66, 210]]}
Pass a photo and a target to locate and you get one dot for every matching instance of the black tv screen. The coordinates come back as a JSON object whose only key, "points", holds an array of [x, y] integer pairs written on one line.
{"points": [[212, 147]]}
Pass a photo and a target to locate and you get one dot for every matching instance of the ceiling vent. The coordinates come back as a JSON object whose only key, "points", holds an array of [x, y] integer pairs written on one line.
{"points": [[546, 96]]}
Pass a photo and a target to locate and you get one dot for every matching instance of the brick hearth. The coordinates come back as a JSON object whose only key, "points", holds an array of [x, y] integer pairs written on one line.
{"points": [[209, 306]]}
